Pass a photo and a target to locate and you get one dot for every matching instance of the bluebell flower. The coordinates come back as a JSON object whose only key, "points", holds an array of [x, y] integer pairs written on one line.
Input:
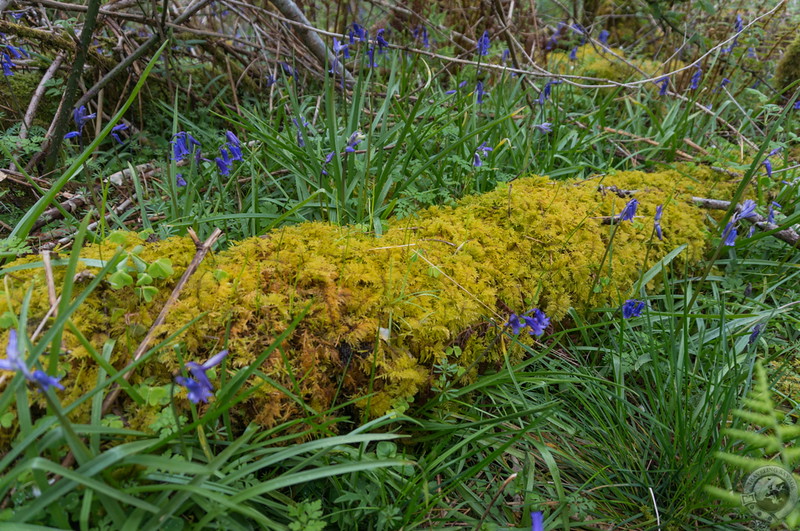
{"points": [[199, 386], [748, 209], [232, 139], [180, 181], [17, 53], [183, 144], [300, 140], [664, 82], [327, 160], [797, 105], [17, 15], [288, 70], [537, 322], [236, 152], [768, 166], [371, 58], [771, 213], [482, 150], [629, 211], [544, 127], [460, 85], [7, 64], [515, 323], [695, 81], [754, 334], [657, 221], [573, 54], [603, 37], [632, 308], [479, 91], [71, 134], [537, 521], [338, 48], [15, 362], [725, 82], [484, 44], [354, 140], [751, 53], [382, 43], [548, 87], [80, 116], [751, 231], [357, 32], [270, 80], [729, 234], [224, 163], [116, 130], [505, 55], [421, 33], [738, 25]]}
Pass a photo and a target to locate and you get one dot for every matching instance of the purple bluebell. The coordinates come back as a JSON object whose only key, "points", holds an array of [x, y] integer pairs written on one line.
{"points": [[751, 53], [288, 70], [224, 163], [382, 43], [484, 44], [71, 134], [232, 139], [545, 94], [180, 181], [632, 308], [771, 212], [357, 32], [515, 323], [747, 210], [326, 161], [116, 130], [300, 139], [797, 105], [7, 64], [752, 231], [573, 54], [482, 151], [479, 91], [629, 211], [183, 144], [544, 127], [603, 37], [270, 80], [695, 81], [421, 33], [354, 140], [371, 57], [537, 521], [14, 361], [80, 116], [768, 166], [738, 25], [505, 55], [537, 322], [754, 334], [725, 82], [17, 53], [729, 234], [199, 386], [657, 221], [664, 82]]}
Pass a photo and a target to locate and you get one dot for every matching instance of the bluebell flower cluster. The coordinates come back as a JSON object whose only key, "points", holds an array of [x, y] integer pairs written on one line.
{"points": [[460, 85], [115, 131], [479, 92], [603, 37], [80, 116], [747, 210], [183, 145], [338, 49], [695, 81], [484, 44], [230, 152], [383, 44], [420, 33], [6, 58], [544, 127], [632, 308], [482, 151], [534, 319], [552, 42], [357, 31], [664, 82], [15, 362], [199, 386], [738, 27]]}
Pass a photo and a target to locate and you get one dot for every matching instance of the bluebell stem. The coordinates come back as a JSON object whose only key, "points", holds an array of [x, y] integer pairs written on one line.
{"points": [[629, 211], [537, 521], [382, 43], [603, 37], [116, 130], [573, 54], [544, 127], [695, 81], [14, 361], [657, 221], [754, 334], [771, 213], [632, 308], [664, 82], [484, 44]]}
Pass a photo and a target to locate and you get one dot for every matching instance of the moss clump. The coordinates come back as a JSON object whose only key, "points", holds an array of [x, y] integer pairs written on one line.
{"points": [[447, 277], [598, 63], [788, 70]]}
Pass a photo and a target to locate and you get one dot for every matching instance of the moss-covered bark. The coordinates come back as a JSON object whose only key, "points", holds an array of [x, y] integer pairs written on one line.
{"points": [[449, 276], [788, 70]]}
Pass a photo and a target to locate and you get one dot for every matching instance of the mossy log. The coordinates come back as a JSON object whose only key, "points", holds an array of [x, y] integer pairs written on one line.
{"points": [[448, 277], [788, 70]]}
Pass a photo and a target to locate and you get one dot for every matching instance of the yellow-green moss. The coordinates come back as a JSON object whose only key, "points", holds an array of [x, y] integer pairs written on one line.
{"points": [[788, 70], [443, 278], [598, 63]]}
